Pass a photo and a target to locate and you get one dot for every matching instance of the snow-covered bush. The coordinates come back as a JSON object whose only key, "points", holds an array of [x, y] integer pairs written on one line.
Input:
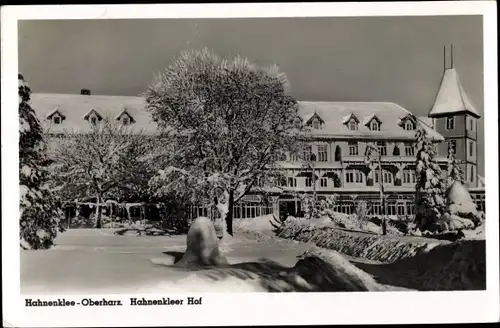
{"points": [[40, 218]]}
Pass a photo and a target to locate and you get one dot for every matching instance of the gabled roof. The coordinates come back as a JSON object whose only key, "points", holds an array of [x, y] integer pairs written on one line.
{"points": [[54, 112], [75, 107], [94, 112], [451, 97], [125, 112], [308, 117], [368, 119], [336, 114], [347, 118]]}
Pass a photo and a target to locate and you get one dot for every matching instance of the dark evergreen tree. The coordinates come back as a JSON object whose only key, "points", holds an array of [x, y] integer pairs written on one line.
{"points": [[40, 218]]}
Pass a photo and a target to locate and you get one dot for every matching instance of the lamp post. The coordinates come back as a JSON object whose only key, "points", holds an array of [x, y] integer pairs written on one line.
{"points": [[372, 154]]}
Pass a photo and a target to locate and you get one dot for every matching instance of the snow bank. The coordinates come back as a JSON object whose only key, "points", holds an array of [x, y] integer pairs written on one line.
{"points": [[353, 243]]}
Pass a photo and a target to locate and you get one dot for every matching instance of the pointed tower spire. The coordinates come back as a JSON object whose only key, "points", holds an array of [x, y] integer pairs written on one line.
{"points": [[451, 97]]}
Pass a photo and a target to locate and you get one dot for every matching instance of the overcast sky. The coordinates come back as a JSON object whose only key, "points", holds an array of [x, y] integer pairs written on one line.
{"points": [[397, 59]]}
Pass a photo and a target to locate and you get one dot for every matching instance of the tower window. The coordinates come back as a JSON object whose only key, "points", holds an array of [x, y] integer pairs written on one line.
{"points": [[452, 146], [471, 148], [57, 119], [472, 174], [450, 123], [93, 120], [125, 121]]}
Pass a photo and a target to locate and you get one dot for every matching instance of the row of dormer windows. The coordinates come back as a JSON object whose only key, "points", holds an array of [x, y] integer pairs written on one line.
{"points": [[93, 118], [352, 123]]}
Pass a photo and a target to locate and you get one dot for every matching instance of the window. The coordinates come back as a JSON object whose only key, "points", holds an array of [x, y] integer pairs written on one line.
{"points": [[57, 119], [353, 148], [308, 182], [293, 157], [338, 154], [374, 126], [386, 177], [323, 153], [452, 146], [353, 125], [349, 176], [409, 126], [450, 123], [472, 174], [93, 120], [297, 123], [125, 121], [382, 148], [409, 150], [354, 176], [315, 124], [323, 182], [409, 176], [306, 153], [359, 176], [395, 152], [292, 182], [471, 148]]}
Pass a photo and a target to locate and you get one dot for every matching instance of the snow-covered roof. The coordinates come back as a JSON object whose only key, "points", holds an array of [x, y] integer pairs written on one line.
{"points": [[426, 120], [451, 97], [336, 114], [75, 107], [369, 118]]}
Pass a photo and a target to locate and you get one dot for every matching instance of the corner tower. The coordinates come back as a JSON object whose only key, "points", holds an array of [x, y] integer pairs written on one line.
{"points": [[455, 118]]}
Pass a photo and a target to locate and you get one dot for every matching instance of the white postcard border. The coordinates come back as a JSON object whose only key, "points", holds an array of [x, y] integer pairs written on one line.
{"points": [[250, 308]]}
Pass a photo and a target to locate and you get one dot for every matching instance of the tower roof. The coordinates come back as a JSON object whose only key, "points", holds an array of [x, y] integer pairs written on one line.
{"points": [[451, 97]]}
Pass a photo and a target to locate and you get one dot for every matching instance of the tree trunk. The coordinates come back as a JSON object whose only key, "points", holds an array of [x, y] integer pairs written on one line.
{"points": [[98, 212], [229, 214]]}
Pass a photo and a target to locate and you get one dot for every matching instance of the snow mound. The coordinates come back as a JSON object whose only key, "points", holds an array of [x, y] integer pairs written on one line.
{"points": [[260, 223]]}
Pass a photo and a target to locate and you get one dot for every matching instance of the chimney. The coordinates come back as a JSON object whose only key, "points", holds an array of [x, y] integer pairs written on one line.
{"points": [[85, 92]]}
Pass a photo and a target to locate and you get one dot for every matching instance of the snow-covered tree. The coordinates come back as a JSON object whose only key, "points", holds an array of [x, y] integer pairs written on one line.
{"points": [[430, 186], [455, 172], [40, 218], [227, 120], [108, 162]]}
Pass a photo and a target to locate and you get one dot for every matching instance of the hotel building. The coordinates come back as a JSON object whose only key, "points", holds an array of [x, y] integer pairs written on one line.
{"points": [[339, 134]]}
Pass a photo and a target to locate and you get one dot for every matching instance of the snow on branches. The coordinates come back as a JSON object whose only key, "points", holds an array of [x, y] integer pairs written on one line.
{"points": [[227, 120], [430, 186], [40, 213]]}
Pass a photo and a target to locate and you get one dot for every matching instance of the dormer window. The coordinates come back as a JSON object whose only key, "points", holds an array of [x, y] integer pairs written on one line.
{"points": [[409, 125], [125, 118], [351, 121], [297, 123], [315, 124], [313, 120], [93, 117], [56, 116], [353, 125], [374, 126]]}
